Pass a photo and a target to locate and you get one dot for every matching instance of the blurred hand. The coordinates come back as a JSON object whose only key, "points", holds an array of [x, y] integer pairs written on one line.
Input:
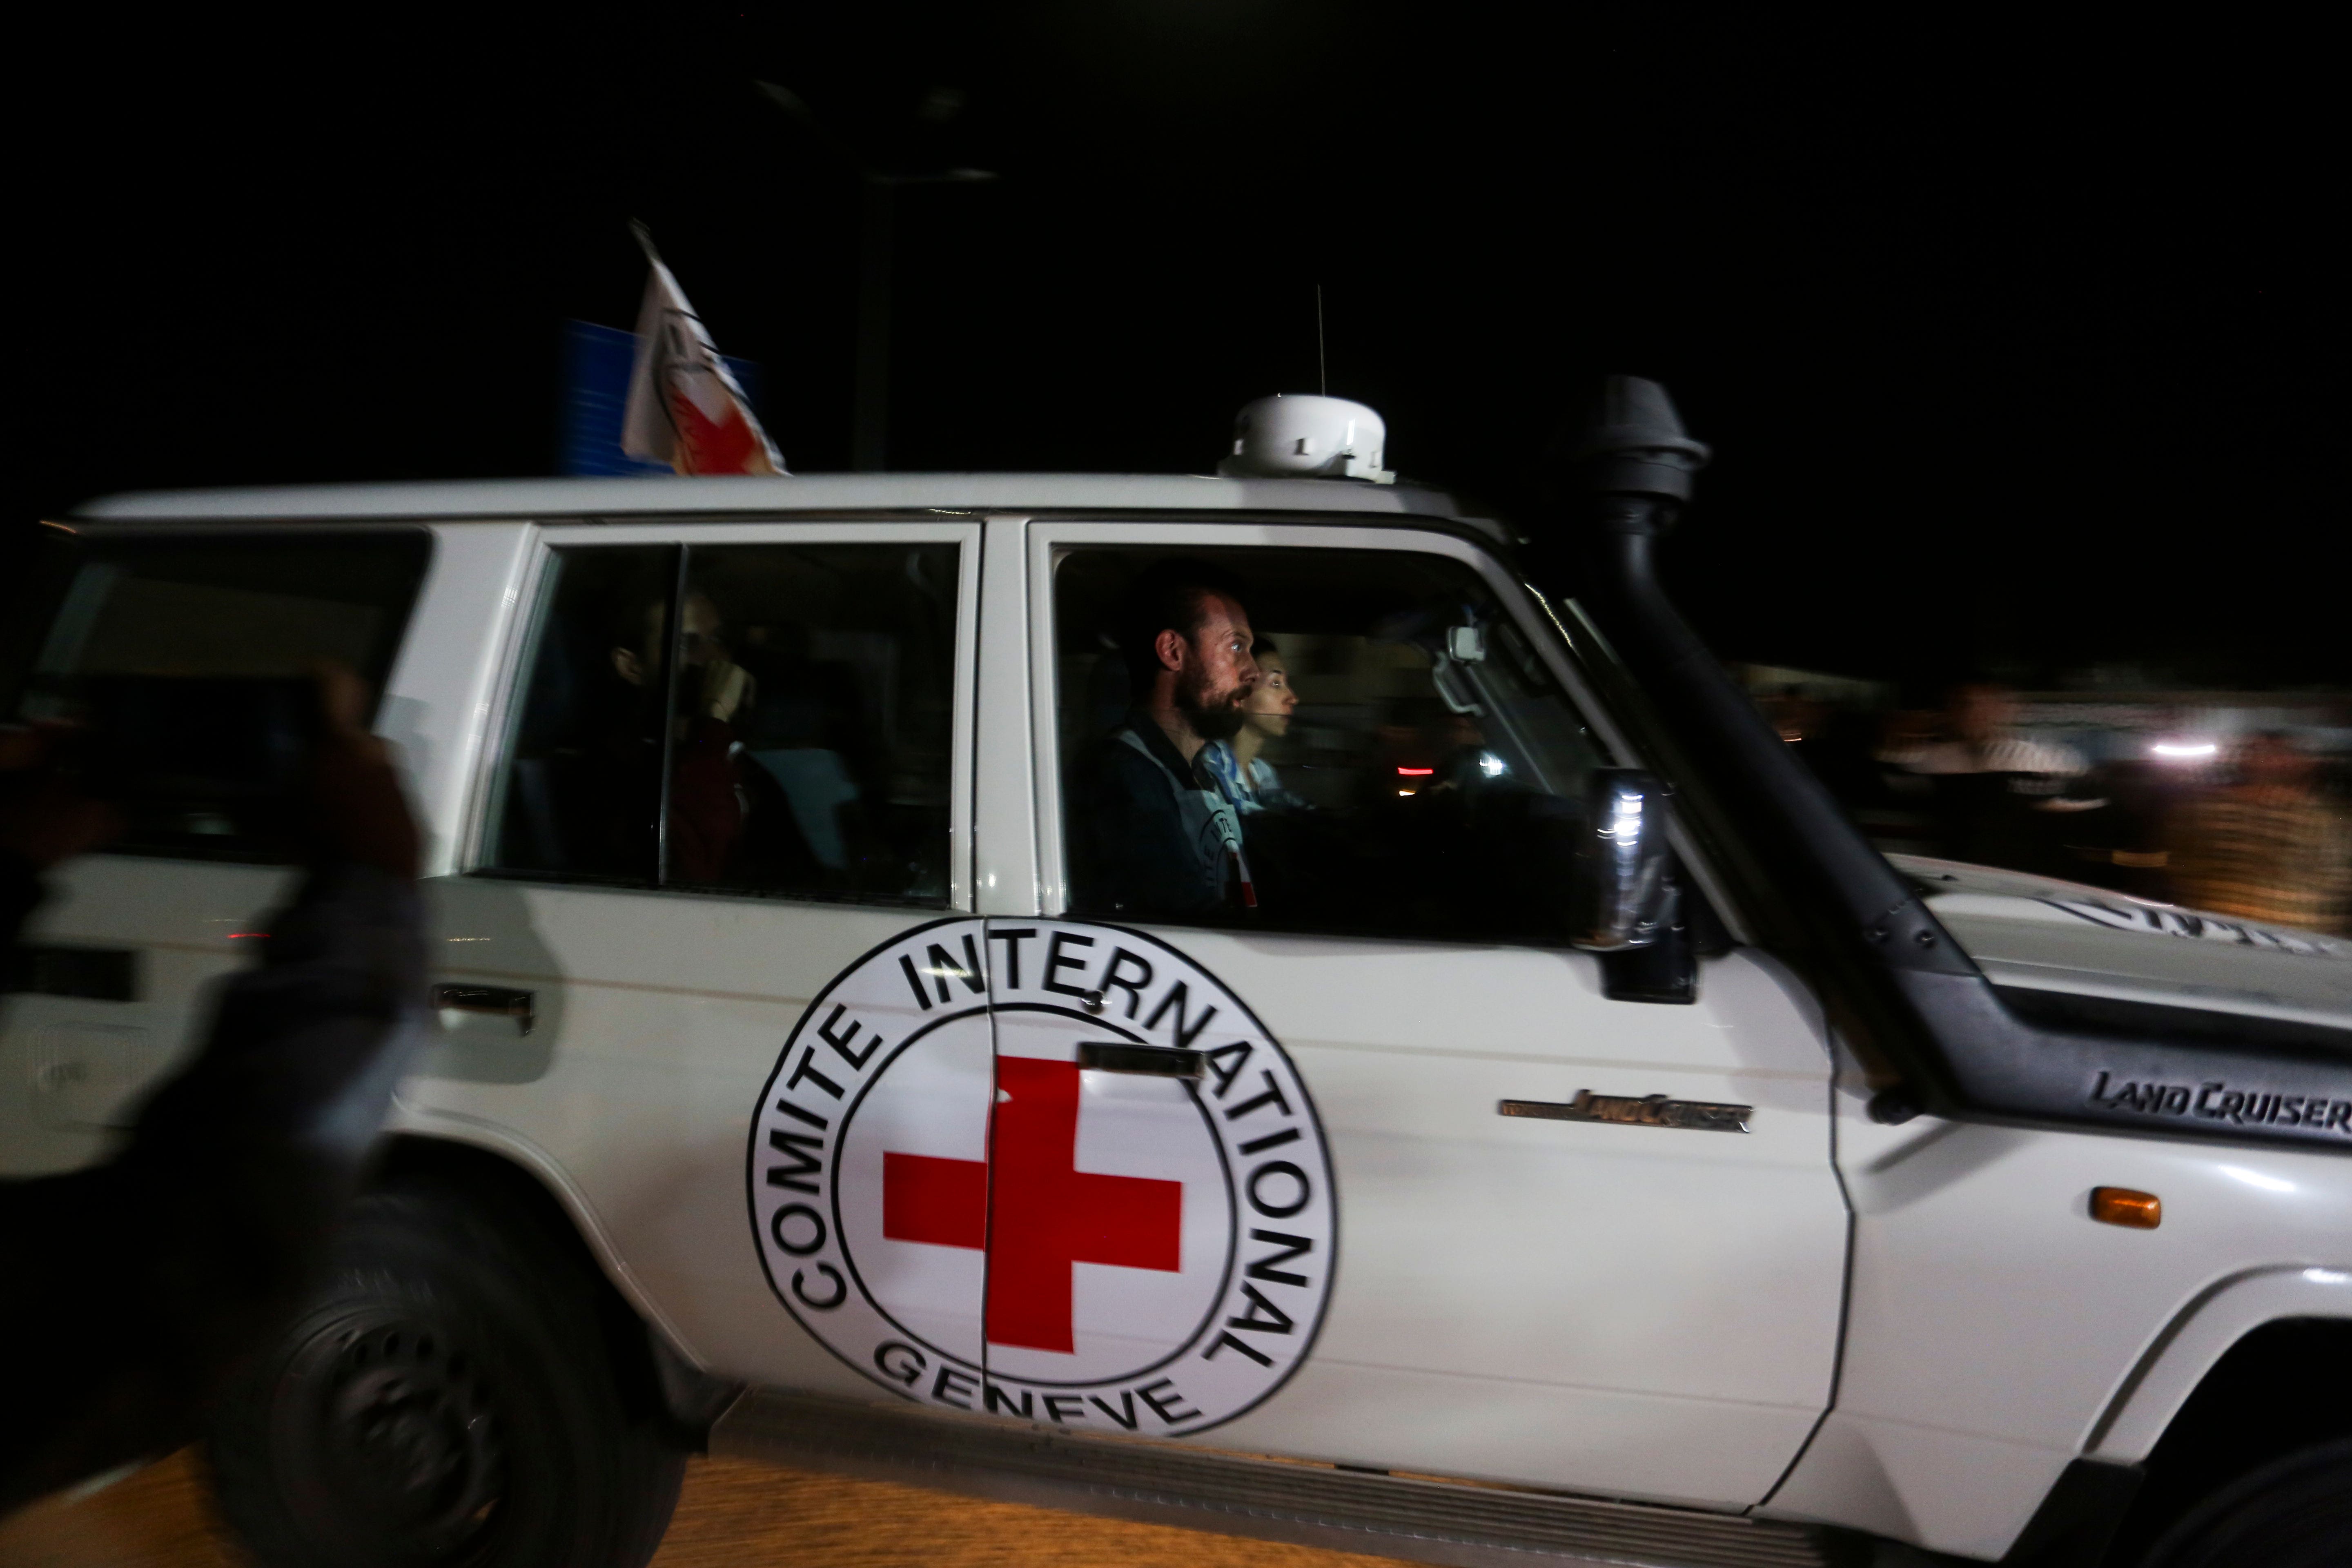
{"points": [[726, 686], [357, 811], [43, 818]]}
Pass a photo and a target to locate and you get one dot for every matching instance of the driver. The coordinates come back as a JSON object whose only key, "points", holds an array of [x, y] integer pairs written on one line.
{"points": [[1155, 833]]}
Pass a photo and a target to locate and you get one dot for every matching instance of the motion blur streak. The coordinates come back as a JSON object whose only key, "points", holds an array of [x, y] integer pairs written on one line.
{"points": [[732, 1515]]}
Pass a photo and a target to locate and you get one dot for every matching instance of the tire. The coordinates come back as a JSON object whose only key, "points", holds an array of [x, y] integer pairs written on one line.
{"points": [[2294, 1512], [449, 1399]]}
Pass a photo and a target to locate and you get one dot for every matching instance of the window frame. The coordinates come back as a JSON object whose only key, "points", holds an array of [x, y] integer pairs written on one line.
{"points": [[520, 640], [1556, 645]]}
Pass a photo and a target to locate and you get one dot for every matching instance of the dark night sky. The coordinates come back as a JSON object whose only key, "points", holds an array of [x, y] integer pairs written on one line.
{"points": [[2019, 347]]}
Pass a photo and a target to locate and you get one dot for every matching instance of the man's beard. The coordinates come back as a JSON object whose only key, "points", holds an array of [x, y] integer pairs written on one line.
{"points": [[1212, 718]]}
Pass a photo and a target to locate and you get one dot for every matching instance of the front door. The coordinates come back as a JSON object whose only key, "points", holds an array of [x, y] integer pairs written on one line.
{"points": [[1413, 1279]]}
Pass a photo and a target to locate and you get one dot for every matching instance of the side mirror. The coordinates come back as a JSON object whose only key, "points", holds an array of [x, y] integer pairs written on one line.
{"points": [[1621, 894]]}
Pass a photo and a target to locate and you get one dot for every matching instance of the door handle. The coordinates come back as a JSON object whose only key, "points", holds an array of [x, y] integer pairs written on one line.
{"points": [[492, 999], [1148, 1061]]}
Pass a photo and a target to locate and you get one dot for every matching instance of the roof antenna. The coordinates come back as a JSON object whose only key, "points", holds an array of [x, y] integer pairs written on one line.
{"points": [[1322, 376]]}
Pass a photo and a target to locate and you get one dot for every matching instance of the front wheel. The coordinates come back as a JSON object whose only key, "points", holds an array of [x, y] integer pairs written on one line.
{"points": [[449, 1399], [2294, 1512]]}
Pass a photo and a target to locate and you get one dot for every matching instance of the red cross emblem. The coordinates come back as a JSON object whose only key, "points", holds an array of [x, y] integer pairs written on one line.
{"points": [[1031, 1209]]}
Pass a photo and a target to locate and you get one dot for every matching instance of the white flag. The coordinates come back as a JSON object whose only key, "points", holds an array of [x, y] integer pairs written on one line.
{"points": [[686, 408]]}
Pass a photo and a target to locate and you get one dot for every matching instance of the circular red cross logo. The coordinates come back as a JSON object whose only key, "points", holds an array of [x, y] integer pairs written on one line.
{"points": [[1046, 1170]]}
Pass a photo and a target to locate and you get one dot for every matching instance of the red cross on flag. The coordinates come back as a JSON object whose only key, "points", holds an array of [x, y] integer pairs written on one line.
{"points": [[686, 407]]}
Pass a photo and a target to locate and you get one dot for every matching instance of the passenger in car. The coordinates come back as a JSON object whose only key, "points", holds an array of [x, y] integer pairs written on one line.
{"points": [[1154, 833], [807, 732], [706, 804], [1242, 776]]}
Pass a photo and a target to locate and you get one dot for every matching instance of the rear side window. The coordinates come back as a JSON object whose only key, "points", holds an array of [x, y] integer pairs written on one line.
{"points": [[764, 719], [191, 658]]}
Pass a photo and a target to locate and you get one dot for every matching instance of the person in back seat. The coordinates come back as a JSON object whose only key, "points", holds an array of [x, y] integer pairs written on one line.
{"points": [[1152, 833], [706, 804]]}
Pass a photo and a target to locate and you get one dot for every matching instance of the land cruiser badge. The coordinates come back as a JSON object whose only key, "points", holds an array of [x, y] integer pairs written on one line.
{"points": [[1048, 1170]]}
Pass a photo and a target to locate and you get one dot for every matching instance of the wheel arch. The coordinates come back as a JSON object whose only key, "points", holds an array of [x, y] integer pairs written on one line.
{"points": [[2234, 1316], [517, 1185], [2282, 1387]]}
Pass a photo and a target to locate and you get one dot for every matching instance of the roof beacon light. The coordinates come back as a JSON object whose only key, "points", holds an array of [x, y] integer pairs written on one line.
{"points": [[1298, 436]]}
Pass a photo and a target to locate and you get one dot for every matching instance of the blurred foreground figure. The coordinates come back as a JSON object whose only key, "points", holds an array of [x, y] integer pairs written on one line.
{"points": [[2269, 847], [1991, 793], [132, 1291]]}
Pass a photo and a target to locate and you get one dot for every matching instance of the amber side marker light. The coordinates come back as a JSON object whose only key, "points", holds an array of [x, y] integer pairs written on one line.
{"points": [[2122, 1205]]}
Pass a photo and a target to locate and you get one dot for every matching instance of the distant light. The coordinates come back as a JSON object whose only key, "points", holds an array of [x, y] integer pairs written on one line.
{"points": [[2256, 1179], [1492, 765], [2185, 750], [1415, 773]]}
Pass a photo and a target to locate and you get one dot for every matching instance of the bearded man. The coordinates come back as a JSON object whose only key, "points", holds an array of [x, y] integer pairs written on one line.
{"points": [[1155, 835]]}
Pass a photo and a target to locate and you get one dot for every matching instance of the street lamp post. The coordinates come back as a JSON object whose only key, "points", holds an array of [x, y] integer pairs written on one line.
{"points": [[870, 397]]}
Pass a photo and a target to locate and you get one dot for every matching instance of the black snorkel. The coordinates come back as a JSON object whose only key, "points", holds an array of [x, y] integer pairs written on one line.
{"points": [[1933, 1032], [1809, 884]]}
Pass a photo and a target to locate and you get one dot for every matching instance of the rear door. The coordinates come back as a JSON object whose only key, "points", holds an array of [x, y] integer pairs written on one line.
{"points": [[728, 788], [1333, 1242]]}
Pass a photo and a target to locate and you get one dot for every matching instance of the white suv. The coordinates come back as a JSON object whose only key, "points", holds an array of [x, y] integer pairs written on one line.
{"points": [[1533, 1171]]}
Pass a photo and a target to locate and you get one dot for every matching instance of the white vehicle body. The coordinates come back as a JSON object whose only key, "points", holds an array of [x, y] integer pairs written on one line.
{"points": [[1906, 1329]]}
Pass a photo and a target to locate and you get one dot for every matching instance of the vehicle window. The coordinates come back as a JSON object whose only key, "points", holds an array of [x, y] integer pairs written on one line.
{"points": [[754, 719], [581, 785], [189, 661], [1399, 762]]}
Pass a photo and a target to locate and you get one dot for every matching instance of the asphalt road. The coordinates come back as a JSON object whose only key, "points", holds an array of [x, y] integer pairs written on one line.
{"points": [[733, 1514]]}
